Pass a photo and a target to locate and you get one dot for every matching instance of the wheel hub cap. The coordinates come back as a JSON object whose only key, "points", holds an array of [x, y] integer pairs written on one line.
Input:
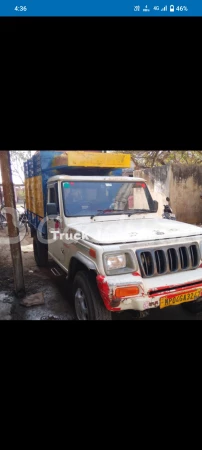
{"points": [[80, 305]]}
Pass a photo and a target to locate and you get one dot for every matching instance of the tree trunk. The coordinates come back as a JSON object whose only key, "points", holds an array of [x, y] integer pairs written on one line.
{"points": [[13, 231]]}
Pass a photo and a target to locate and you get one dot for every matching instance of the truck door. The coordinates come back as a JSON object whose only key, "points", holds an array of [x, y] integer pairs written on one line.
{"points": [[55, 226]]}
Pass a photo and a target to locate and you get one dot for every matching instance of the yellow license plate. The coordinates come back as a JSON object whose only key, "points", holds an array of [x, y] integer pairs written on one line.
{"points": [[179, 298]]}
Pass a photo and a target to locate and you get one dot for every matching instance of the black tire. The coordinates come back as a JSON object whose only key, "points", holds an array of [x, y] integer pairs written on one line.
{"points": [[96, 310], [194, 307], [40, 252]]}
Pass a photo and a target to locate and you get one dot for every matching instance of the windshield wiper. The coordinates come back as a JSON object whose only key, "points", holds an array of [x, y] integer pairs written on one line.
{"points": [[105, 211], [128, 212], [139, 211]]}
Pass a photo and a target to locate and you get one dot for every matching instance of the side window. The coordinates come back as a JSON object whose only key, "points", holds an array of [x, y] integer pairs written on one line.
{"points": [[53, 196]]}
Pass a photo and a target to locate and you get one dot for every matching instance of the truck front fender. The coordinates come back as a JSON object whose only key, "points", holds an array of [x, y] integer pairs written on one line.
{"points": [[86, 261], [80, 262]]}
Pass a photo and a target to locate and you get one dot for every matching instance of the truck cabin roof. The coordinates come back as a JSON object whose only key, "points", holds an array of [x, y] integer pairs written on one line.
{"points": [[94, 178]]}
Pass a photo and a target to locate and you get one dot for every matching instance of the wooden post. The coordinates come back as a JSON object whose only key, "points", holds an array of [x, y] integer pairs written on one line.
{"points": [[13, 232]]}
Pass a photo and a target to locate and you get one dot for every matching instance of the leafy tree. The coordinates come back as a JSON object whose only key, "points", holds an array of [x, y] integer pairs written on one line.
{"points": [[151, 158]]}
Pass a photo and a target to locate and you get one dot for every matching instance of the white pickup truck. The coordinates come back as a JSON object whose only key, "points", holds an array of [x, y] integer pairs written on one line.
{"points": [[106, 235]]}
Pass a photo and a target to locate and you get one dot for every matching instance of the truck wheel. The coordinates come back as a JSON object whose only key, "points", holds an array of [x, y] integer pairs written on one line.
{"points": [[87, 301], [194, 307], [40, 252]]}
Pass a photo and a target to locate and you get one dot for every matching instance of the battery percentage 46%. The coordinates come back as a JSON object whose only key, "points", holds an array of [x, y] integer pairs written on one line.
{"points": [[181, 8]]}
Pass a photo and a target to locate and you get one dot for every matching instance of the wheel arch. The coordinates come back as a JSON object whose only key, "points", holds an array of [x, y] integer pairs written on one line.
{"points": [[80, 262]]}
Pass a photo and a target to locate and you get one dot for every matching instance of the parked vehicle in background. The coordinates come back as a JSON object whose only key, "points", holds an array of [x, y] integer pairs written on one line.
{"points": [[3, 221], [23, 221], [168, 213], [21, 217], [103, 232]]}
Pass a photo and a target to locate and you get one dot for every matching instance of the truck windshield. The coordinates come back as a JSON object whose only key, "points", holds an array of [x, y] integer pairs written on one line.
{"points": [[92, 198]]}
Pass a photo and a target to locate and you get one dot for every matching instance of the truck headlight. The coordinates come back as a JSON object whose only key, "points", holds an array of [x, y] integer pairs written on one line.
{"points": [[118, 263], [114, 262]]}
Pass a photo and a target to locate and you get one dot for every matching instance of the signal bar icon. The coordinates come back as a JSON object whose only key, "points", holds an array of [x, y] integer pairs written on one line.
{"points": [[165, 8]]}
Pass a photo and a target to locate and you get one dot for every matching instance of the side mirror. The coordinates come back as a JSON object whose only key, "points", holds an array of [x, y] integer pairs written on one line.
{"points": [[51, 209], [155, 206]]}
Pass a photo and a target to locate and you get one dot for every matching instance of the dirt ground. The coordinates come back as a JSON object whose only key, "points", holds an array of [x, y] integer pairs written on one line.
{"points": [[56, 295]]}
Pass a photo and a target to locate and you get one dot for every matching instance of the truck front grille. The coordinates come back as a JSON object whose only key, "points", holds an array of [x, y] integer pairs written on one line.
{"points": [[168, 260]]}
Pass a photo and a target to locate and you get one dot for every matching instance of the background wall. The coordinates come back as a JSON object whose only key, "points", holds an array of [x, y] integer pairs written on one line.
{"points": [[180, 182], [185, 191]]}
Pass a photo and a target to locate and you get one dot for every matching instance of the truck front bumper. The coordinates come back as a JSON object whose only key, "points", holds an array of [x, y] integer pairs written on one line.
{"points": [[151, 290]]}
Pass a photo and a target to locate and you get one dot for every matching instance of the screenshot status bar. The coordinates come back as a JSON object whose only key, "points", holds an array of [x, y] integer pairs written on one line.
{"points": [[103, 8]]}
